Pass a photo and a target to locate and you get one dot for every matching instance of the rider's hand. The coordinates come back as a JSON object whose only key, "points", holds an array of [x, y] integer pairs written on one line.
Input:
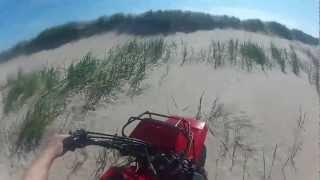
{"points": [[54, 147], [40, 167]]}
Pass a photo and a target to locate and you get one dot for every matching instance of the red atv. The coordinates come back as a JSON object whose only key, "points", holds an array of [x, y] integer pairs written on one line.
{"points": [[170, 149]]}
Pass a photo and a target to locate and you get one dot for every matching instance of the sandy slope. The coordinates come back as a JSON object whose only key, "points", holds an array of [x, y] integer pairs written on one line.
{"points": [[271, 100]]}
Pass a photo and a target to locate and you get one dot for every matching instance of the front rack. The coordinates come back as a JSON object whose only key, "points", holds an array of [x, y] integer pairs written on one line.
{"points": [[182, 125]]}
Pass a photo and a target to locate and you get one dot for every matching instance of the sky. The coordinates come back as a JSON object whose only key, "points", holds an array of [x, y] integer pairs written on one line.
{"points": [[24, 19]]}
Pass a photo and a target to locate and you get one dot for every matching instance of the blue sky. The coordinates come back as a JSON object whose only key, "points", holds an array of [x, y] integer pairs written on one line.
{"points": [[24, 19]]}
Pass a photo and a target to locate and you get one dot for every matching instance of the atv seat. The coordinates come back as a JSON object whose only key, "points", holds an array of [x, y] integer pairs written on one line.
{"points": [[162, 135]]}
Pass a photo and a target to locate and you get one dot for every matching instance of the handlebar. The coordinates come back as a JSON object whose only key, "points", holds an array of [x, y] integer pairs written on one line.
{"points": [[81, 138], [127, 146]]}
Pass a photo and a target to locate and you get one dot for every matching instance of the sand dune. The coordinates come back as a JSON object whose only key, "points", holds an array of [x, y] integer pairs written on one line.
{"points": [[271, 100]]}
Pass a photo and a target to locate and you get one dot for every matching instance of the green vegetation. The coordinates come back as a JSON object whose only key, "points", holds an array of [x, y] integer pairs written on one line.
{"points": [[149, 23], [124, 67], [277, 55], [217, 49], [233, 132], [40, 114], [233, 50], [251, 52], [184, 53], [253, 25], [295, 62], [23, 86], [245, 55], [79, 74], [303, 37], [46, 92], [280, 30], [313, 70]]}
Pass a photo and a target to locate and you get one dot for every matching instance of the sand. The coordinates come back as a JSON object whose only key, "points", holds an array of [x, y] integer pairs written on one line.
{"points": [[272, 101]]}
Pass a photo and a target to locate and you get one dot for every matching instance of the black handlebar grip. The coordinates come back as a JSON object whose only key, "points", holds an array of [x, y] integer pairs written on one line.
{"points": [[77, 139], [69, 144]]}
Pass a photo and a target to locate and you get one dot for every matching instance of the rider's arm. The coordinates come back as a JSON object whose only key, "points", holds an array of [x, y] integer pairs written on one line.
{"points": [[39, 169]]}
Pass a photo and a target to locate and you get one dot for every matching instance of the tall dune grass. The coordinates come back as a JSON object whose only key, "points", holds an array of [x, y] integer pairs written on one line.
{"points": [[253, 53], [23, 86], [122, 70], [295, 62], [279, 56], [46, 91]]}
